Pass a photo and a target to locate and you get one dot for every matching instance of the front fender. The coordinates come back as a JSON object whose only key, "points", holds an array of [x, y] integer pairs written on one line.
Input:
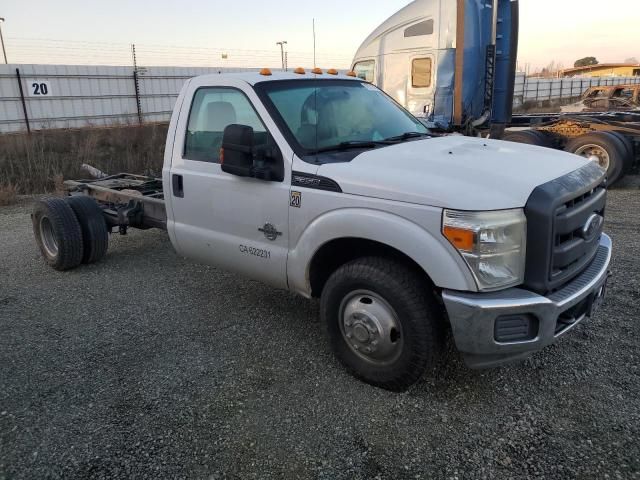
{"points": [[435, 255]]}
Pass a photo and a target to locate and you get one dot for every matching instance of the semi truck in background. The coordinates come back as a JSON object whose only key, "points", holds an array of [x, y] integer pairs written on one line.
{"points": [[453, 63]]}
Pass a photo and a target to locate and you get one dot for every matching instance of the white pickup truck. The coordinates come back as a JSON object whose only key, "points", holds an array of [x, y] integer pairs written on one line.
{"points": [[321, 184]]}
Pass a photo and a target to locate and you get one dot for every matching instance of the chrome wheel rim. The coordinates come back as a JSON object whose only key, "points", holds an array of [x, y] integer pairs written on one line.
{"points": [[371, 328], [596, 154], [48, 237]]}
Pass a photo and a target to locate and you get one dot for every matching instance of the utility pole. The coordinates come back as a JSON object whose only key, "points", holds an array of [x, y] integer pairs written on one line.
{"points": [[136, 82], [4, 52], [282, 44]]}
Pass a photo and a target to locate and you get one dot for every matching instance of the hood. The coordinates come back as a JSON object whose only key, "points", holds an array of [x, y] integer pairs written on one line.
{"points": [[453, 172]]}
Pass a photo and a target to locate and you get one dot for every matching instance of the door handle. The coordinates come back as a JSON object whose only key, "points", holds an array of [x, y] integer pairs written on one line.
{"points": [[178, 186]]}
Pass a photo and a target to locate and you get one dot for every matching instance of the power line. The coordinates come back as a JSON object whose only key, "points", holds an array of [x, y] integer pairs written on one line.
{"points": [[164, 46]]}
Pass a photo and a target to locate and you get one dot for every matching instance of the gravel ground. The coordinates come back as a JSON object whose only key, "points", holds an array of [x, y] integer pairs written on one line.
{"points": [[148, 366]]}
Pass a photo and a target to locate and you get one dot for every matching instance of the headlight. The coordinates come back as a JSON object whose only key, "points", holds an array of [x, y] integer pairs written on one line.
{"points": [[492, 243]]}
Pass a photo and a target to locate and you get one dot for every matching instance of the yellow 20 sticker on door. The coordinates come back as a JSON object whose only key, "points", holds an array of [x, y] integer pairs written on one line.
{"points": [[296, 199]]}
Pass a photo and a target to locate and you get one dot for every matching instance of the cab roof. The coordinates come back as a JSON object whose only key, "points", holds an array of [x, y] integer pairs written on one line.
{"points": [[256, 77]]}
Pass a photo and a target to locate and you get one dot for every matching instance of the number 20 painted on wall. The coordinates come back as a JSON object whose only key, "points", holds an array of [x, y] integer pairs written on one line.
{"points": [[39, 89]]}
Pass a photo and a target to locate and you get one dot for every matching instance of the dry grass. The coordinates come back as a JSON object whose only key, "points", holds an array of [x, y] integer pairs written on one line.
{"points": [[8, 194], [38, 163]]}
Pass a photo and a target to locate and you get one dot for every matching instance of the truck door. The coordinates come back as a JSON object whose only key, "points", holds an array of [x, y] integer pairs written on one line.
{"points": [[408, 78], [236, 223], [421, 86]]}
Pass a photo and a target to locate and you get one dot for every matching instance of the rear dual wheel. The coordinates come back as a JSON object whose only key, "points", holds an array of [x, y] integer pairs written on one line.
{"points": [[58, 233], [69, 231], [612, 151], [95, 233], [607, 149]]}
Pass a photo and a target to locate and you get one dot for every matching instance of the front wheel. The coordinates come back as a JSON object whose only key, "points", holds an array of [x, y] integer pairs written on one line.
{"points": [[383, 322]]}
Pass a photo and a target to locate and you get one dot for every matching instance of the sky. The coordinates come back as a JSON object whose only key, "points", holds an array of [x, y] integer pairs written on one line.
{"points": [[201, 31]]}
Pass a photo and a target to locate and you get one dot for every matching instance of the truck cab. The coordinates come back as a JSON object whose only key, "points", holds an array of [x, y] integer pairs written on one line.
{"points": [[450, 62], [321, 184]]}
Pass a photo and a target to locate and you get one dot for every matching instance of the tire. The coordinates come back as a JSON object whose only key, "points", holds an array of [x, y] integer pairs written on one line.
{"points": [[57, 233], [95, 234], [529, 137], [629, 158], [375, 287], [604, 142]]}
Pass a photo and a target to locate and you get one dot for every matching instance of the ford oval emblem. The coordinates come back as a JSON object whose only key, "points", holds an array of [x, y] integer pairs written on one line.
{"points": [[270, 231], [592, 227]]}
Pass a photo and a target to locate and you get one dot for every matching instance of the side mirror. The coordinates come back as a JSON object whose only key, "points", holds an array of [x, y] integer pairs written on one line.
{"points": [[236, 156], [241, 157]]}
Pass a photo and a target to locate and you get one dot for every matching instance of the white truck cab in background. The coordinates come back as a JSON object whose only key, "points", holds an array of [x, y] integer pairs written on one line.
{"points": [[451, 62]]}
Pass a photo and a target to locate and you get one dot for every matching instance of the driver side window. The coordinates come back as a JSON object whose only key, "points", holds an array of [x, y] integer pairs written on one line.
{"points": [[365, 70], [214, 109]]}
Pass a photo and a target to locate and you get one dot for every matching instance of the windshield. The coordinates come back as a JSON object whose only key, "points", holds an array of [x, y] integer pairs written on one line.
{"points": [[322, 115]]}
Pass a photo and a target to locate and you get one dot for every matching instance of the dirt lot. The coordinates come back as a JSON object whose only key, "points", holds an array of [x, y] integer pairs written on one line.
{"points": [[148, 366]]}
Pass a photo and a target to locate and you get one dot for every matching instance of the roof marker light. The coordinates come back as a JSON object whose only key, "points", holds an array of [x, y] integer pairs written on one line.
{"points": [[332, 71], [317, 71], [299, 71], [352, 74], [266, 72]]}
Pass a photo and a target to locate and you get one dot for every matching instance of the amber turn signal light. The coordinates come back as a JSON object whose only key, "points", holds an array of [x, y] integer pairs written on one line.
{"points": [[461, 239]]}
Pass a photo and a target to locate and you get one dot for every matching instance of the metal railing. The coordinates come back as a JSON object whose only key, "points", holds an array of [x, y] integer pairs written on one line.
{"points": [[560, 90]]}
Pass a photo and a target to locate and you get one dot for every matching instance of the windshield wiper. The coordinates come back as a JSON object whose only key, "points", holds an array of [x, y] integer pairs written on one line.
{"points": [[406, 136], [369, 143], [349, 145]]}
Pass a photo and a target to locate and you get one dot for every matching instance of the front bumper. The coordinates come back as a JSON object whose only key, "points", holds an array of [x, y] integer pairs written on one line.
{"points": [[482, 321]]}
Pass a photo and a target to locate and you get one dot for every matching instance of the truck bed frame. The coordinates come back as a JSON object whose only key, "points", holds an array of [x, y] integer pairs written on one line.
{"points": [[127, 200]]}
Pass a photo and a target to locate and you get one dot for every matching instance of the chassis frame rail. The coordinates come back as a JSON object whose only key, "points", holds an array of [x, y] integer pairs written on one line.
{"points": [[127, 200]]}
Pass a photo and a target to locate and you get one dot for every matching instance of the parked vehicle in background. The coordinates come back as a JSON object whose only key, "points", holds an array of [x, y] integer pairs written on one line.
{"points": [[453, 63], [322, 185], [618, 98], [450, 62]]}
